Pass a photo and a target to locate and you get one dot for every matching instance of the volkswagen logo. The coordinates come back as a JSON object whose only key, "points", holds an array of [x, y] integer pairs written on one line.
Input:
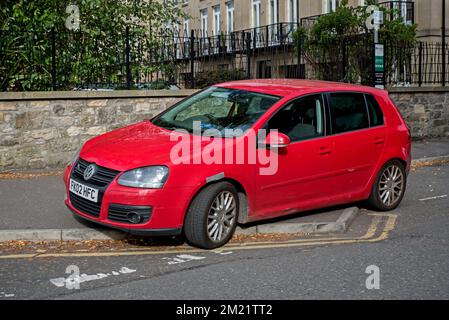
{"points": [[90, 171]]}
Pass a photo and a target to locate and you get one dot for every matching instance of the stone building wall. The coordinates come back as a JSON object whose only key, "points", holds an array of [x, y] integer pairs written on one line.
{"points": [[426, 110], [43, 130]]}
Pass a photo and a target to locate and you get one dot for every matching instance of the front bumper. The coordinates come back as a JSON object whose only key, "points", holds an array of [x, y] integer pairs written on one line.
{"points": [[168, 207], [136, 232]]}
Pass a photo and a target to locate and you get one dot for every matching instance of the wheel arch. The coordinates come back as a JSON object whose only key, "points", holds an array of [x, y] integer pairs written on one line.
{"points": [[244, 206]]}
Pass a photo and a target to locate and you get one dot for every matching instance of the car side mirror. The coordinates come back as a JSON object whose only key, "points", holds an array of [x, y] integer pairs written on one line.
{"points": [[277, 140]]}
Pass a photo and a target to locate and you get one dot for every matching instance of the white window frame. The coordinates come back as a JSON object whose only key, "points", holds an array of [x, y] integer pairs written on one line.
{"points": [[403, 10], [230, 16], [273, 20], [273, 9], [255, 13], [293, 9], [186, 27], [217, 20], [330, 5], [204, 22]]}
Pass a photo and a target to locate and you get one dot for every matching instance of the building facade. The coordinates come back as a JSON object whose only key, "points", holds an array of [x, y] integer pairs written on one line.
{"points": [[214, 17], [254, 39]]}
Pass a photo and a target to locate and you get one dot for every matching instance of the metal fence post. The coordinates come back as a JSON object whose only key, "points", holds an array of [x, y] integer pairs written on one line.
{"points": [[248, 55], [267, 34], [53, 59], [192, 58], [344, 58], [420, 64], [255, 38], [127, 59], [373, 64], [299, 53], [443, 43], [281, 35]]}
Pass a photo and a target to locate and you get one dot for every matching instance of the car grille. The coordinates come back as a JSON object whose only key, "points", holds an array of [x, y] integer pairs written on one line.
{"points": [[102, 177], [85, 206], [120, 213]]}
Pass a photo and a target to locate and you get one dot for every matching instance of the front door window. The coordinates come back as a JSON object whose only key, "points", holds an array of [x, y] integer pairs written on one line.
{"points": [[302, 119]]}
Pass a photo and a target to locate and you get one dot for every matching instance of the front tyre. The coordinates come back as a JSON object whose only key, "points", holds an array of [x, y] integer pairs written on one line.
{"points": [[212, 216], [389, 186]]}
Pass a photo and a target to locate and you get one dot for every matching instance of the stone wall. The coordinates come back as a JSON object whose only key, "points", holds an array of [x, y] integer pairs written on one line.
{"points": [[426, 110], [42, 130]]}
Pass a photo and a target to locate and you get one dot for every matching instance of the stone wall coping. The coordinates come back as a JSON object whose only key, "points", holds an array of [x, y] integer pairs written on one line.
{"points": [[417, 89], [118, 94], [123, 94]]}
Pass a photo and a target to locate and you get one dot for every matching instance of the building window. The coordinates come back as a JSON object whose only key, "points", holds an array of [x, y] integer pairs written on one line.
{"points": [[274, 11], [256, 13], [331, 5], [293, 10], [402, 8], [187, 27], [217, 20], [230, 15], [203, 14]]}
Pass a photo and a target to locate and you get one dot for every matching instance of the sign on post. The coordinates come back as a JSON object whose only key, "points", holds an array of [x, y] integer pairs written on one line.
{"points": [[379, 66]]}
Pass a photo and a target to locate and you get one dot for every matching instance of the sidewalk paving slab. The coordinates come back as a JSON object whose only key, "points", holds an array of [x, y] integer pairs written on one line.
{"points": [[430, 148]]}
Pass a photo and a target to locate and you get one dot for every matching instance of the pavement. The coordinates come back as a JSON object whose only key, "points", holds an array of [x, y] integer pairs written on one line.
{"points": [[430, 148], [404, 251], [32, 209]]}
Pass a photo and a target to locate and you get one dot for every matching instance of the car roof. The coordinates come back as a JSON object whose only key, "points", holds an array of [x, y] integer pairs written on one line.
{"points": [[294, 87]]}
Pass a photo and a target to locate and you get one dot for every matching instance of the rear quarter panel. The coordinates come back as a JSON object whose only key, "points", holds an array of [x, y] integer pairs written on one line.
{"points": [[397, 142]]}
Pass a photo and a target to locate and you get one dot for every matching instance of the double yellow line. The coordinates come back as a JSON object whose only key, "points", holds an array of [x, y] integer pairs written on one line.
{"points": [[368, 237]]}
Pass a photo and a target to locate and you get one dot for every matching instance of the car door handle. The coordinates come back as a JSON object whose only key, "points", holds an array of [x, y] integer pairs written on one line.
{"points": [[325, 151], [378, 141]]}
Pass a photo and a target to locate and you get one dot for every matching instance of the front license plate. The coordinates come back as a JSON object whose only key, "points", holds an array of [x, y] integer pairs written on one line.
{"points": [[83, 191]]}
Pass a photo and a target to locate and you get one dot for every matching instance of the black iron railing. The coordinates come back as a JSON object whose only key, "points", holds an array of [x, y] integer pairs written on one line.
{"points": [[137, 60]]}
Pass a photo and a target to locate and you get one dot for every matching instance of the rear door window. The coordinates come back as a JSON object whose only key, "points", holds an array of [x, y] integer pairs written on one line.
{"points": [[348, 112], [375, 113]]}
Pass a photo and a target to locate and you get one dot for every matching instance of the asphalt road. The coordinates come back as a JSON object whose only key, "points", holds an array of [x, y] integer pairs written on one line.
{"points": [[413, 262]]}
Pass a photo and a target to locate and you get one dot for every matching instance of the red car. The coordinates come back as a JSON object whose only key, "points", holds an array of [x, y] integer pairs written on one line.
{"points": [[326, 144]]}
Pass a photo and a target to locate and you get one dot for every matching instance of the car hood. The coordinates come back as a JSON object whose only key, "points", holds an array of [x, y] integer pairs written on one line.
{"points": [[139, 145]]}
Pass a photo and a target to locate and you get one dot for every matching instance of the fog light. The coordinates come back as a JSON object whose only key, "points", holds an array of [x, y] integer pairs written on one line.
{"points": [[134, 217]]}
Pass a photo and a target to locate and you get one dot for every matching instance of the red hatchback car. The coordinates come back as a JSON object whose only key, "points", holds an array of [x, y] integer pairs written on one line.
{"points": [[323, 144]]}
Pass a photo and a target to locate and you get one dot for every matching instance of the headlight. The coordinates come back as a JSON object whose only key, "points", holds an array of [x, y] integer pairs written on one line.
{"points": [[75, 157], [148, 177]]}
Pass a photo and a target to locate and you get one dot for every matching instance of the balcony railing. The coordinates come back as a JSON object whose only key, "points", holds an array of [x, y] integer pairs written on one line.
{"points": [[265, 37], [404, 10]]}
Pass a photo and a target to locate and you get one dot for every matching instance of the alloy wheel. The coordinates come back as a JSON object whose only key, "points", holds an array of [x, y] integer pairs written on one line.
{"points": [[222, 216], [391, 185]]}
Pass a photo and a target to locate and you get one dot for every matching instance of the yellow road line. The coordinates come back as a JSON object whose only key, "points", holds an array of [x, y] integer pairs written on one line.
{"points": [[367, 237]]}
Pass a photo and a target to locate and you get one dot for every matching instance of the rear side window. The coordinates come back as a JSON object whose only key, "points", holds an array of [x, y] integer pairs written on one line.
{"points": [[348, 112], [375, 113]]}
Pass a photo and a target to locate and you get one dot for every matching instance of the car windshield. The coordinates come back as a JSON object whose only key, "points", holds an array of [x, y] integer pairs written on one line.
{"points": [[229, 111]]}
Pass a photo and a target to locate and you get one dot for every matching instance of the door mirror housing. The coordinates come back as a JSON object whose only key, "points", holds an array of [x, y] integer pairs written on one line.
{"points": [[277, 140]]}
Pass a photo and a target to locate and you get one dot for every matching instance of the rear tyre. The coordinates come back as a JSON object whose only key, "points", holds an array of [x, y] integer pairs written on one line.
{"points": [[389, 187], [212, 216]]}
